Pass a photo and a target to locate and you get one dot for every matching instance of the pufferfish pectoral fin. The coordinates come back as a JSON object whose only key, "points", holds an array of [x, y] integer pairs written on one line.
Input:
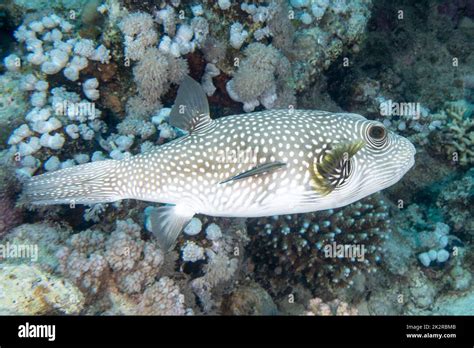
{"points": [[334, 167], [260, 169], [191, 109], [167, 222]]}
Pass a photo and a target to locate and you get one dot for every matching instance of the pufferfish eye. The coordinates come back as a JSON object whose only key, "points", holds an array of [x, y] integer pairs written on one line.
{"points": [[377, 132]]}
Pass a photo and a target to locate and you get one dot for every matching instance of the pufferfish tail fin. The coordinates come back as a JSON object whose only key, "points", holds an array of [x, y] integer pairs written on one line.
{"points": [[89, 183]]}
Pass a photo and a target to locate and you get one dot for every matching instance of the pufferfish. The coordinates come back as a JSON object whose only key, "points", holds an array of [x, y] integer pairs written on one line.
{"points": [[258, 164]]}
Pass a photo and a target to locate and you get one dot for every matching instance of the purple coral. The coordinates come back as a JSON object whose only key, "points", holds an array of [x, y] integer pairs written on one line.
{"points": [[93, 260], [82, 261], [134, 262], [163, 298]]}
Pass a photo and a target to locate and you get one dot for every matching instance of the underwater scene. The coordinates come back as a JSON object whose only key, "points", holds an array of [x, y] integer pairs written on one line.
{"points": [[254, 157]]}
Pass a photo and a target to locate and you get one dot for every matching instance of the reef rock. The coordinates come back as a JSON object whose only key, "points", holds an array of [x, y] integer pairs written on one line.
{"points": [[28, 290]]}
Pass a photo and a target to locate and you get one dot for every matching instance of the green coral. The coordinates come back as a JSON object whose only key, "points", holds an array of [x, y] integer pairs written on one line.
{"points": [[456, 138]]}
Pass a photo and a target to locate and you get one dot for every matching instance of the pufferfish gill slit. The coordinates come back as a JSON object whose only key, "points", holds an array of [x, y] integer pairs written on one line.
{"points": [[250, 165]]}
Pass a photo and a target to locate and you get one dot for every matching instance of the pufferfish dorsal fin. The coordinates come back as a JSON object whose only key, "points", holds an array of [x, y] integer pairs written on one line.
{"points": [[260, 169], [334, 167], [191, 109]]}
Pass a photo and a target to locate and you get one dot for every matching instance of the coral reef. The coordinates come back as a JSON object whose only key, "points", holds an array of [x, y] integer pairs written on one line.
{"points": [[317, 306], [139, 34], [47, 237], [28, 290], [154, 73], [456, 204], [10, 214], [13, 102], [55, 114], [85, 81], [90, 258], [456, 140], [163, 297], [224, 257], [134, 262], [81, 260], [411, 46], [257, 78], [304, 248], [249, 299]]}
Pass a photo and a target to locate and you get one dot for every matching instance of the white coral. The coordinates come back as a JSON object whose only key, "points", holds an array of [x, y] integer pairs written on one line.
{"points": [[139, 34]]}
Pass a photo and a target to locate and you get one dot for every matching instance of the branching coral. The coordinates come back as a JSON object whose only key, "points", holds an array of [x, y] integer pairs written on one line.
{"points": [[223, 259], [304, 248], [132, 260], [163, 298], [90, 258], [456, 139], [82, 261]]}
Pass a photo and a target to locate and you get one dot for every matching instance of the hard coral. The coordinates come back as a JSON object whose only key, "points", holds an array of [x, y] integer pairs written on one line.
{"points": [[133, 261], [29, 290], [91, 259], [295, 247], [316, 306], [83, 262], [456, 139], [10, 215], [456, 203]]}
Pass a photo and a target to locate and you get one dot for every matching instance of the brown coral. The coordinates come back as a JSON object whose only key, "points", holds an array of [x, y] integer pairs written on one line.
{"points": [[317, 306]]}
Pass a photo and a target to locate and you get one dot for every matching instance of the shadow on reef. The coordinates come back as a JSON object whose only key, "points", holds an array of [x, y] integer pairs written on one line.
{"points": [[406, 45]]}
